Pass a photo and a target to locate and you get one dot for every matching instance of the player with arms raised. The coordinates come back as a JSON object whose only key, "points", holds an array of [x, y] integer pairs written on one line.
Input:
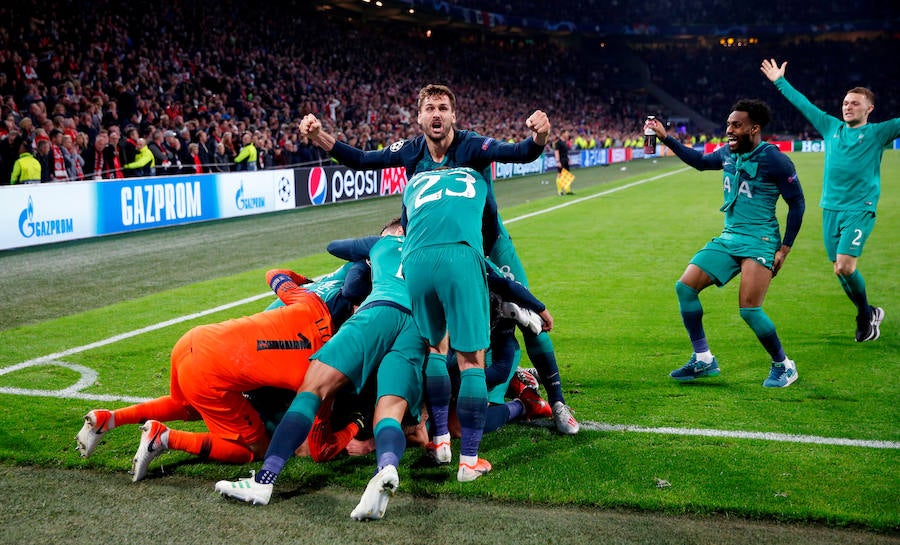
{"points": [[442, 145], [756, 173], [851, 185]]}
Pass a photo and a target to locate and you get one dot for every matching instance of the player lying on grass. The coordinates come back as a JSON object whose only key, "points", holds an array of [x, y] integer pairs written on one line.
{"points": [[211, 368]]}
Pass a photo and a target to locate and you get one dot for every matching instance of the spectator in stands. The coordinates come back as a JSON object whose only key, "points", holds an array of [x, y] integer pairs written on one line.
{"points": [[195, 166], [111, 115], [220, 160], [229, 152], [113, 154], [74, 160], [59, 165], [144, 163], [95, 165], [27, 169], [248, 156], [204, 151], [171, 164], [157, 148], [129, 147], [26, 127], [44, 156]]}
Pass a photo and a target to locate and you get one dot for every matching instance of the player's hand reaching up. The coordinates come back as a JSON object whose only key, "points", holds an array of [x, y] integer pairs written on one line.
{"points": [[771, 69], [539, 124]]}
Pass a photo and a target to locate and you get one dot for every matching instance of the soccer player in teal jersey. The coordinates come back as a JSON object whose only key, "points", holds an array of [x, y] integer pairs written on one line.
{"points": [[380, 339], [756, 173], [851, 185], [442, 145], [443, 263]]}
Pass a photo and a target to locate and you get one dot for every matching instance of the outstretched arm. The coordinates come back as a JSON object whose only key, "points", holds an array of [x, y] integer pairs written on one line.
{"points": [[352, 249], [286, 285], [694, 158], [346, 154]]}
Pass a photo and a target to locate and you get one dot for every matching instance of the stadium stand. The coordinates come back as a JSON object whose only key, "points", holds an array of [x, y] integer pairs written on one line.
{"points": [[229, 68]]}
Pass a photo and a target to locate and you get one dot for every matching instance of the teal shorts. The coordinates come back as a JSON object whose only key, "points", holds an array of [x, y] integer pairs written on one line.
{"points": [[448, 291], [380, 339], [846, 231], [721, 258]]}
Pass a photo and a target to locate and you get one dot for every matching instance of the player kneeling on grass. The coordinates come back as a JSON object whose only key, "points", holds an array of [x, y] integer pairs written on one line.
{"points": [[756, 173], [211, 368]]}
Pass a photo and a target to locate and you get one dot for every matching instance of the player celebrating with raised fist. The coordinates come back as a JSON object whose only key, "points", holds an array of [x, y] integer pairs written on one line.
{"points": [[443, 145]]}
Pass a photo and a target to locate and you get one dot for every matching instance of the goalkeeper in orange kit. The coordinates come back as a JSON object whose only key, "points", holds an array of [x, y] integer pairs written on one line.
{"points": [[211, 368]]}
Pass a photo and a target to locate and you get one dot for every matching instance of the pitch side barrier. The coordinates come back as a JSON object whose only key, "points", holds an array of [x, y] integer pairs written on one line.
{"points": [[35, 214]]}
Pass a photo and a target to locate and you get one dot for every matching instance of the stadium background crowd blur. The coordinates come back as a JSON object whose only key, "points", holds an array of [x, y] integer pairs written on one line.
{"points": [[194, 80]]}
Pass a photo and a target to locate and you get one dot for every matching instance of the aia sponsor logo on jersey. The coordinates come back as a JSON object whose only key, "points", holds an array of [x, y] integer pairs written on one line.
{"points": [[318, 185]]}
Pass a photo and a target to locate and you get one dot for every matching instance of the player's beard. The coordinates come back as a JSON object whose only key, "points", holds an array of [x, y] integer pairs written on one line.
{"points": [[445, 137], [743, 144]]}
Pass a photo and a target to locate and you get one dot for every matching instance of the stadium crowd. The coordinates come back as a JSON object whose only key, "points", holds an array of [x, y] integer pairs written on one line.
{"points": [[676, 12], [116, 92]]}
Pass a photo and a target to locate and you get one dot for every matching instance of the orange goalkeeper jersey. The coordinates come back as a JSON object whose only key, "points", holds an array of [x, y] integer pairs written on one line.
{"points": [[271, 348]]}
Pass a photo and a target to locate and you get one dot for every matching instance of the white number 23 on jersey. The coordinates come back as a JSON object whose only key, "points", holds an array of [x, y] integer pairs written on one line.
{"points": [[425, 182]]}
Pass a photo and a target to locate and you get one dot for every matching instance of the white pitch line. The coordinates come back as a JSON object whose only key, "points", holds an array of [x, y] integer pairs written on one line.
{"points": [[71, 393], [122, 336], [761, 436]]}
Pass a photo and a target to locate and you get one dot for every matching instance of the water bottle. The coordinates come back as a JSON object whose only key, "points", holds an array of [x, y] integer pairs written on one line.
{"points": [[649, 137]]}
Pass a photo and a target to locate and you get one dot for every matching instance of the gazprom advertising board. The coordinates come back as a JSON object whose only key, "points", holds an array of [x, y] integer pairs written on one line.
{"points": [[35, 214], [42, 213], [145, 203]]}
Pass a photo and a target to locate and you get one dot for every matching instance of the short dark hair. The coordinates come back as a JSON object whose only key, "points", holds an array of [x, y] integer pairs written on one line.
{"points": [[390, 224], [757, 110], [435, 90], [18, 141]]}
